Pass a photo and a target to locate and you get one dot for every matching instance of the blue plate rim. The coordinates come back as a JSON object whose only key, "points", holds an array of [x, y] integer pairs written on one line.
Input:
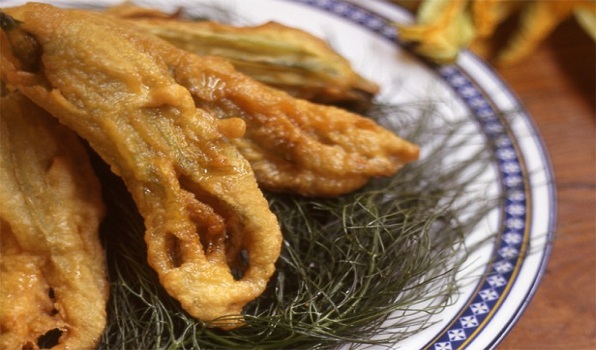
{"points": [[501, 276]]}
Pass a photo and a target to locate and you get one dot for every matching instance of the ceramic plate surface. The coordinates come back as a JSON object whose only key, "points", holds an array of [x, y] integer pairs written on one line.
{"points": [[512, 265]]}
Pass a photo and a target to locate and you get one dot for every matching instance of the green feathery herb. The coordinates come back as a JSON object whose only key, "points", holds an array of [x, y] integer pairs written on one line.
{"points": [[371, 267]]}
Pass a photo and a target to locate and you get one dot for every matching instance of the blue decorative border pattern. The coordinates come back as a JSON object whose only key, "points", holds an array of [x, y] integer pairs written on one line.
{"points": [[513, 240], [514, 234]]}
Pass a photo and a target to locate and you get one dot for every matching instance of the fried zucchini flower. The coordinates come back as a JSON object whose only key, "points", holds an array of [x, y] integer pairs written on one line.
{"points": [[444, 27], [287, 58], [293, 145], [210, 235], [53, 283], [179, 129]]}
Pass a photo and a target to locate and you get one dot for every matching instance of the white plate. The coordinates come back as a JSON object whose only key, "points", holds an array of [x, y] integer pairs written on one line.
{"points": [[511, 267]]}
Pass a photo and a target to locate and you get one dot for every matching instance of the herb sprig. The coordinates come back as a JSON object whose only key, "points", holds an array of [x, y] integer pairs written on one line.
{"points": [[371, 267]]}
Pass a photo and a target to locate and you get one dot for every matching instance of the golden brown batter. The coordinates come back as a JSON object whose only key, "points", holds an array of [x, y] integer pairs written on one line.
{"points": [[202, 208], [52, 272]]}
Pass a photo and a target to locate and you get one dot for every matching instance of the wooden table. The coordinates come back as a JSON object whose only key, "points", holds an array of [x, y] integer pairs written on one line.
{"points": [[556, 85]]}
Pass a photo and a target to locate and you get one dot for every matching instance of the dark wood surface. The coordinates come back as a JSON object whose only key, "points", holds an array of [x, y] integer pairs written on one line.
{"points": [[556, 85]]}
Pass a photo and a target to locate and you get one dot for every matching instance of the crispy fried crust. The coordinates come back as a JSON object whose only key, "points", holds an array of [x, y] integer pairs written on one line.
{"points": [[292, 145], [52, 269], [163, 119], [205, 217], [443, 28], [280, 56]]}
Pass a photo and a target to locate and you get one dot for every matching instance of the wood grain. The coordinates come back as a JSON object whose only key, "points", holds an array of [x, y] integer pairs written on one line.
{"points": [[556, 85]]}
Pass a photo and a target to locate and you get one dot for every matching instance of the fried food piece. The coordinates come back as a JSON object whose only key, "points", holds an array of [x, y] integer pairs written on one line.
{"points": [[537, 20], [277, 55], [444, 27], [292, 145], [210, 234], [296, 146], [53, 285]]}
